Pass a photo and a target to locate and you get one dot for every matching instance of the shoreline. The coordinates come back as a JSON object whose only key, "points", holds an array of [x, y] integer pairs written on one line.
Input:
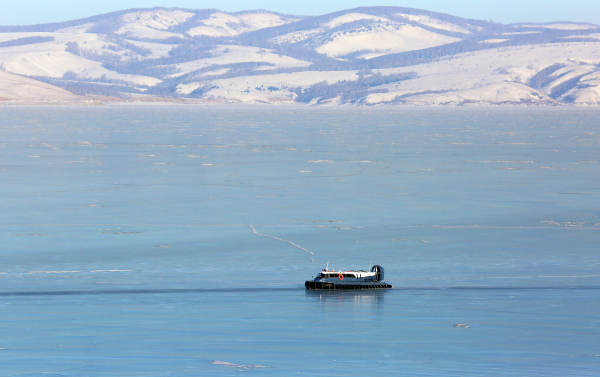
{"points": [[297, 105]]}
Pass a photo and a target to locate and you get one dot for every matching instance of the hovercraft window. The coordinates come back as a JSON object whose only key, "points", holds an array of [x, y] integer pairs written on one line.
{"points": [[337, 276]]}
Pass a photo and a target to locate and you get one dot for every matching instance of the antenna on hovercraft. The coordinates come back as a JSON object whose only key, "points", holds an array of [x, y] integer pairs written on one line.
{"points": [[327, 267]]}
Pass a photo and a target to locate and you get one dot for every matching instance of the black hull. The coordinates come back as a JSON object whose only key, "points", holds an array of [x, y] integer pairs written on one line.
{"points": [[332, 286]]}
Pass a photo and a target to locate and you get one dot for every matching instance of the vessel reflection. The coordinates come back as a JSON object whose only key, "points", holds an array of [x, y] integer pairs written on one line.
{"points": [[359, 299]]}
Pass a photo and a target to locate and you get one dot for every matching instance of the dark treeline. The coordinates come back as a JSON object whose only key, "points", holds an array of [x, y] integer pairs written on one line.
{"points": [[140, 50], [201, 48], [234, 70], [108, 26], [166, 41], [541, 79], [114, 60], [164, 66], [72, 76], [192, 22], [296, 51], [565, 86], [90, 88], [104, 57], [141, 68], [168, 86], [189, 52], [400, 98], [26, 41], [350, 90], [198, 93], [160, 67]]}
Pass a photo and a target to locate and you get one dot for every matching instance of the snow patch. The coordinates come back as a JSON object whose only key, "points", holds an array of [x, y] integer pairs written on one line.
{"points": [[157, 19], [494, 40], [227, 25], [522, 33], [371, 55], [386, 38], [152, 24], [263, 20], [297, 36], [434, 23]]}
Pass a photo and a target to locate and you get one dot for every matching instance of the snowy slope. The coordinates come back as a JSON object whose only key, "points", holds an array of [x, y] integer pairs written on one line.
{"points": [[255, 88], [495, 93], [157, 19], [497, 76], [50, 58], [380, 37], [224, 25], [295, 37], [152, 24], [471, 71], [230, 54], [383, 38], [155, 24], [299, 36], [586, 94], [567, 73], [19, 88], [434, 23], [56, 64]]}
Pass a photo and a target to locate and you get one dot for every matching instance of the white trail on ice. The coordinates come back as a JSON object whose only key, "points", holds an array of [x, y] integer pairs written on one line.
{"points": [[279, 239]]}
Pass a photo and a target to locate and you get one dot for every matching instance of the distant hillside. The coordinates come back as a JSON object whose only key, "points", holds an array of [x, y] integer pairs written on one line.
{"points": [[367, 56]]}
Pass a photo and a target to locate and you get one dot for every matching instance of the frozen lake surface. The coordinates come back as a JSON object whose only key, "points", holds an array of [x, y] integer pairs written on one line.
{"points": [[175, 241]]}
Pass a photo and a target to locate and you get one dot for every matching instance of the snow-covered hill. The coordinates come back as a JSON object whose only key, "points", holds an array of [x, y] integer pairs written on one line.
{"points": [[364, 56], [371, 35], [381, 39], [226, 25], [15, 88], [152, 24]]}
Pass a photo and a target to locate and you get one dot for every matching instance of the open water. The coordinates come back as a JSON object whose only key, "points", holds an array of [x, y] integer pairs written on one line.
{"points": [[175, 241]]}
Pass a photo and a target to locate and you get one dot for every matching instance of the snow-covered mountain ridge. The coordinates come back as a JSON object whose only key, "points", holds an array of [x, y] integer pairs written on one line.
{"points": [[362, 56]]}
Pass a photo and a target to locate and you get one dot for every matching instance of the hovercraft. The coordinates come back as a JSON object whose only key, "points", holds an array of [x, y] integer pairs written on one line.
{"points": [[361, 279]]}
